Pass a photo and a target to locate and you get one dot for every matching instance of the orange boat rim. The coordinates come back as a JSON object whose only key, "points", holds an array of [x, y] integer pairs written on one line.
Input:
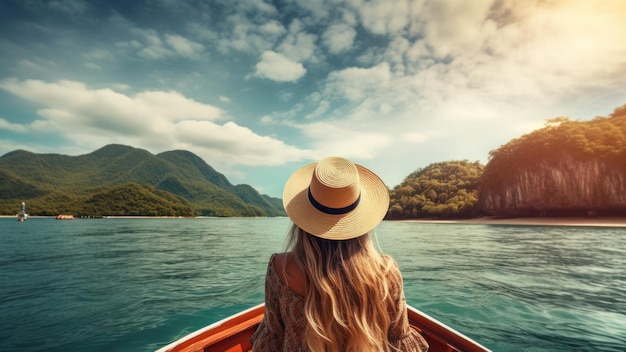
{"points": [[233, 334]]}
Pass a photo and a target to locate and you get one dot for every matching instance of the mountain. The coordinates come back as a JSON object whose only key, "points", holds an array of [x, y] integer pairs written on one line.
{"points": [[568, 168], [174, 183]]}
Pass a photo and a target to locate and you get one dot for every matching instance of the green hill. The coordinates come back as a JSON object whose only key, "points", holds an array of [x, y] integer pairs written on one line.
{"points": [[441, 190], [122, 180]]}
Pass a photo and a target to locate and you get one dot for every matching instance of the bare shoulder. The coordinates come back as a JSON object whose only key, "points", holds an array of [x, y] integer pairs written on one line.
{"points": [[290, 272], [279, 261]]}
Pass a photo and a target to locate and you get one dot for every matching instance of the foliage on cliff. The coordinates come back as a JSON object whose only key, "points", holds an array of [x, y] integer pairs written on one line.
{"points": [[567, 167], [600, 138], [121, 180], [441, 190]]}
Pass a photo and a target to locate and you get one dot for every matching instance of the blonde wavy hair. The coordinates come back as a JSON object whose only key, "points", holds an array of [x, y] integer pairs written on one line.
{"points": [[348, 297]]}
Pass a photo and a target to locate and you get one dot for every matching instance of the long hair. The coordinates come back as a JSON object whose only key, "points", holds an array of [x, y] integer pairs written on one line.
{"points": [[348, 298]]}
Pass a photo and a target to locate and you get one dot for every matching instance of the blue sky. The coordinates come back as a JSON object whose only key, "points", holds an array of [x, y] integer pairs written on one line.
{"points": [[259, 88]]}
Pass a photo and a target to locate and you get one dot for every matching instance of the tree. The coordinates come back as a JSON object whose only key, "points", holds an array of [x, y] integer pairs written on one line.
{"points": [[441, 190]]}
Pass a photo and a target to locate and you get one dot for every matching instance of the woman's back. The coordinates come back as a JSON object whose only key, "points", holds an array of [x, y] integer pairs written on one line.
{"points": [[285, 324], [349, 294]]}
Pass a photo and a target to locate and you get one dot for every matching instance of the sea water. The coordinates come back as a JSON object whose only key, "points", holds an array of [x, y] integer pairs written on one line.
{"points": [[138, 284]]}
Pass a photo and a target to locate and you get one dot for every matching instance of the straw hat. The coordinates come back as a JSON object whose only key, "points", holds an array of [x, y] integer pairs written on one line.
{"points": [[335, 199]]}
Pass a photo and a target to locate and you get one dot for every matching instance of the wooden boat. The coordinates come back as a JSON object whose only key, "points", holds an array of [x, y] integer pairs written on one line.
{"points": [[64, 217], [233, 334]]}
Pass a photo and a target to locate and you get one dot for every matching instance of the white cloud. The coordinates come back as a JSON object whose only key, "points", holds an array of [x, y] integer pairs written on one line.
{"points": [[339, 38], [417, 54], [175, 107], [234, 144], [396, 54], [28, 65], [542, 52], [382, 16], [318, 9], [277, 67], [76, 98], [419, 137], [10, 126], [266, 119], [184, 46], [245, 36], [285, 95], [344, 138], [357, 83], [203, 33], [273, 28], [525, 49], [120, 86], [322, 107], [455, 27], [150, 44], [256, 7], [298, 45], [150, 119]]}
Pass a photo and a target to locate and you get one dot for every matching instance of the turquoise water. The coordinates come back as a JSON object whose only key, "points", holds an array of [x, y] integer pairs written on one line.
{"points": [[138, 284]]}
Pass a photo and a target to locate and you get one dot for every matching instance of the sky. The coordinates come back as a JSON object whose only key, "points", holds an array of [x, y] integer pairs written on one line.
{"points": [[259, 88]]}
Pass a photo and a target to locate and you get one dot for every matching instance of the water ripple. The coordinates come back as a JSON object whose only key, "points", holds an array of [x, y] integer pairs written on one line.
{"points": [[136, 284]]}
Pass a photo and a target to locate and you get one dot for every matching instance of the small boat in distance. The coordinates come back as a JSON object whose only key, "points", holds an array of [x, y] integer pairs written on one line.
{"points": [[233, 334], [22, 216], [64, 217]]}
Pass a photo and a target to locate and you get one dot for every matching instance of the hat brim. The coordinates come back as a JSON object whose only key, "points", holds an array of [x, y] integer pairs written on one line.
{"points": [[370, 211]]}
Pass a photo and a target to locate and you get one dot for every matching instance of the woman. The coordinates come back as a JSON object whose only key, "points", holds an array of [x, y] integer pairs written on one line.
{"points": [[332, 291]]}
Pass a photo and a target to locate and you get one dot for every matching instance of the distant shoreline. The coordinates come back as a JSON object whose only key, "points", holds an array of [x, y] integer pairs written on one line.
{"points": [[534, 221], [531, 221]]}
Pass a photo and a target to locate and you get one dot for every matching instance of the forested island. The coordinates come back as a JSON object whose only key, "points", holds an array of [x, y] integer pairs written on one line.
{"points": [[567, 168]]}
